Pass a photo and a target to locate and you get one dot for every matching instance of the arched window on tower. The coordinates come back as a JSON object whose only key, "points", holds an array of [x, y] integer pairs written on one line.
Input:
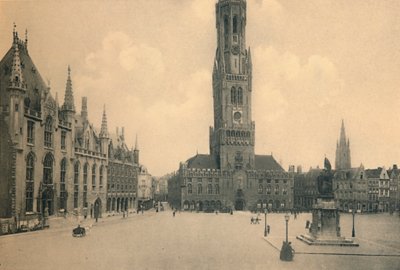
{"points": [[199, 188], [226, 30], [233, 95], [48, 169], [29, 184], [235, 24], [189, 188], [48, 132], [240, 96]]}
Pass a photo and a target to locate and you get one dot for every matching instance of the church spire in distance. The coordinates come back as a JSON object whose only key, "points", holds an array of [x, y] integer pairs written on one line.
{"points": [[343, 160]]}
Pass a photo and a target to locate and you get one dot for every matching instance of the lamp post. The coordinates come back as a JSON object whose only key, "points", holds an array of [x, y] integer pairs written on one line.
{"points": [[287, 252], [287, 221], [265, 226], [353, 232]]}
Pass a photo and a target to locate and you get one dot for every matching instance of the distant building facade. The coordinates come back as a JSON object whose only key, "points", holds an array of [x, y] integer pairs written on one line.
{"points": [[123, 170], [232, 176]]}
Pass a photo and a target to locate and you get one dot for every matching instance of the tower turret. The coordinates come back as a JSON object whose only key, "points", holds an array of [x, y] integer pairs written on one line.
{"points": [[104, 138], [136, 151], [68, 105], [16, 89]]}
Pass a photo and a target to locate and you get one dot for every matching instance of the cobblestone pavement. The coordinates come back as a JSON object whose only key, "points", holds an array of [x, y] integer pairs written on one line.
{"points": [[196, 241]]}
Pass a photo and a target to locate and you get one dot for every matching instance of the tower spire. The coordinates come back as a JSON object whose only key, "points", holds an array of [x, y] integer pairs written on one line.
{"points": [[343, 159], [104, 129], [69, 96]]}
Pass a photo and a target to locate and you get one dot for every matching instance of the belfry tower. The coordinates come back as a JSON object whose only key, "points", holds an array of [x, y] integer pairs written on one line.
{"points": [[343, 161], [232, 137]]}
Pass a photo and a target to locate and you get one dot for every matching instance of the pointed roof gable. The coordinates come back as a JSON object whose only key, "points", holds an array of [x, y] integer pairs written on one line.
{"points": [[35, 85], [69, 96]]}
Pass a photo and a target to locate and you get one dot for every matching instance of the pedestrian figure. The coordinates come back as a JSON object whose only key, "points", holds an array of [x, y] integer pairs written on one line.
{"points": [[173, 213], [307, 224], [252, 220], [123, 214]]}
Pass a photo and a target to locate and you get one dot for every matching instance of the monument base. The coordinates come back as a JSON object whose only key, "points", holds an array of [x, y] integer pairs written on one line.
{"points": [[325, 226], [338, 241]]}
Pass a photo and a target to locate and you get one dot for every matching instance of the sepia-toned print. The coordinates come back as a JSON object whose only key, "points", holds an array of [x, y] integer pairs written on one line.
{"points": [[199, 134]]}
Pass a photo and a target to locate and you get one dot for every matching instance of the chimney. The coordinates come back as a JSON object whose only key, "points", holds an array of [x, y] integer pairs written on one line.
{"points": [[394, 166], [84, 111], [299, 169]]}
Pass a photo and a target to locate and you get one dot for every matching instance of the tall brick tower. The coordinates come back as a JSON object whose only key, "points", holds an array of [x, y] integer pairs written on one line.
{"points": [[232, 137]]}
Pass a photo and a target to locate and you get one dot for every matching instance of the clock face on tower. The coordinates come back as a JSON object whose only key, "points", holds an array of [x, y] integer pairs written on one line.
{"points": [[237, 116]]}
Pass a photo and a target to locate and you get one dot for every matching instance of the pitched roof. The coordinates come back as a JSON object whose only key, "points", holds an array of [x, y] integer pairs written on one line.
{"points": [[202, 162], [267, 162], [35, 84]]}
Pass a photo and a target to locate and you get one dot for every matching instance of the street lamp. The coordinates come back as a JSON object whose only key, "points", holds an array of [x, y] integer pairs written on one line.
{"points": [[353, 232], [287, 221], [265, 226]]}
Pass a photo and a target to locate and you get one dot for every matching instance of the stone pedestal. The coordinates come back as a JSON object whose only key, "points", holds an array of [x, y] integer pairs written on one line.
{"points": [[325, 226]]}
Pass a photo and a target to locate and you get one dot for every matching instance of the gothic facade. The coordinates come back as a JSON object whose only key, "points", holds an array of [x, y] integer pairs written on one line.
{"points": [[232, 176], [53, 159]]}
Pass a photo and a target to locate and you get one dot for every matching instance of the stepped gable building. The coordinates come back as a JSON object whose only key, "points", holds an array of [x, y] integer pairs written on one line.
{"points": [[232, 175], [52, 158], [123, 170], [343, 160]]}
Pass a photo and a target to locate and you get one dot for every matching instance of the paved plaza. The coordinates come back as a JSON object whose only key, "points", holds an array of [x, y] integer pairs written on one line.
{"points": [[199, 241]]}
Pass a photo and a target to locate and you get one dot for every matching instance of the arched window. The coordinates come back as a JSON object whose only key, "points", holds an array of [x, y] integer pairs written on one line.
{"points": [[85, 176], [226, 31], [235, 24], [48, 169], [240, 96], [209, 189], [216, 189], [48, 132], [63, 197], [29, 183], [226, 25], [268, 189], [101, 176], [199, 188], [76, 184], [260, 189], [233, 95], [228, 133], [94, 176], [189, 188], [85, 173], [276, 190]]}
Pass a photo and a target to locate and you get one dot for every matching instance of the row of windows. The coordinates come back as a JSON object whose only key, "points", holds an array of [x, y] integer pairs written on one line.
{"points": [[200, 189], [117, 186], [268, 190], [242, 134], [48, 179], [48, 134]]}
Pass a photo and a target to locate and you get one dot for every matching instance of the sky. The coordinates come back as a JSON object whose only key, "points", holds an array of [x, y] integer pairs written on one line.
{"points": [[315, 63]]}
